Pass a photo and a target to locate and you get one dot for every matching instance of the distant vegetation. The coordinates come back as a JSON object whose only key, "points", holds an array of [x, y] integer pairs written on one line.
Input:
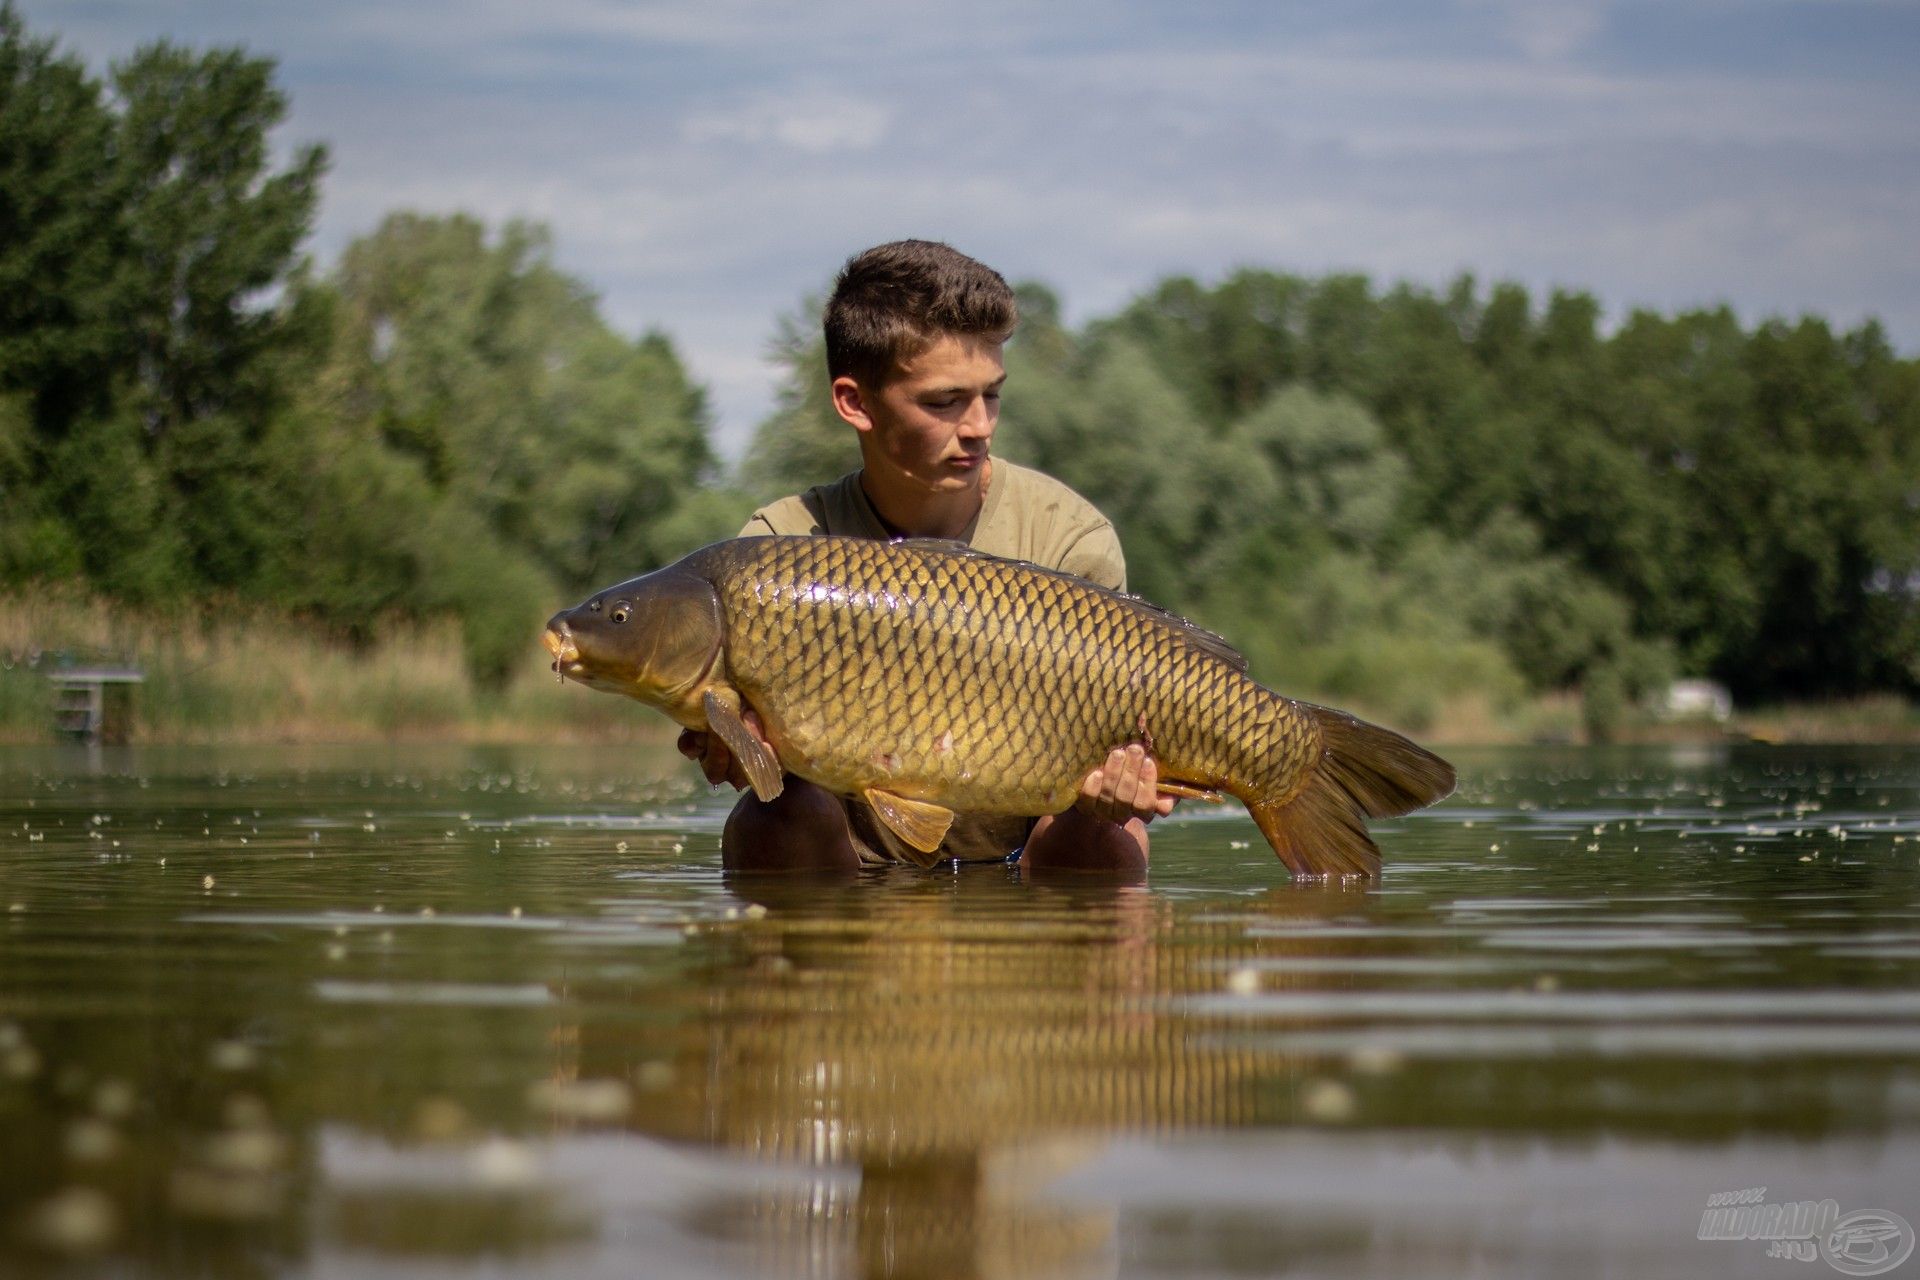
{"points": [[1432, 504], [1407, 498]]}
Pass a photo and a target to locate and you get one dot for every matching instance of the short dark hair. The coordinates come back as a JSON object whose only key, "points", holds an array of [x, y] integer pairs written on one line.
{"points": [[895, 300]]}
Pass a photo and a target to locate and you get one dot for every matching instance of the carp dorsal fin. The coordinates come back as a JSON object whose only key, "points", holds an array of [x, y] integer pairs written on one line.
{"points": [[763, 770], [918, 823], [952, 546], [1211, 642]]}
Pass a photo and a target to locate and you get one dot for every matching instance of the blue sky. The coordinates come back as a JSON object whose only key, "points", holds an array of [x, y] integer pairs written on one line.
{"points": [[706, 165]]}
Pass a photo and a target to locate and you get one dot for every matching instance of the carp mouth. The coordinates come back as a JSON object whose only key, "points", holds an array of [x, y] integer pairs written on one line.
{"points": [[566, 654], [568, 664]]}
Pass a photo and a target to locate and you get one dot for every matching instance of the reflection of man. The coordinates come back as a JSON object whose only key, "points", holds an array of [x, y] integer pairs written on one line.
{"points": [[914, 331]]}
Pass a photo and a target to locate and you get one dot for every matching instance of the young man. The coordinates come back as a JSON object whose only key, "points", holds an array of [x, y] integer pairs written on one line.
{"points": [[914, 331]]}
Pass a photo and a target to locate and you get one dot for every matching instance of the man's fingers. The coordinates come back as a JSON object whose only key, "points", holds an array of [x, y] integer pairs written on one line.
{"points": [[1119, 784], [1144, 800], [716, 762], [707, 751], [1148, 802], [1113, 779], [1127, 784], [1091, 785]]}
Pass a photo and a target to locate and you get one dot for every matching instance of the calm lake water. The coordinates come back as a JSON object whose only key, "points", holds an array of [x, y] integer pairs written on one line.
{"points": [[383, 1012]]}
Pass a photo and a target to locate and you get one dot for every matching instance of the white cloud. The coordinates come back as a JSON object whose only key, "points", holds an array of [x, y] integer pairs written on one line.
{"points": [[1549, 30], [812, 122], [704, 167]]}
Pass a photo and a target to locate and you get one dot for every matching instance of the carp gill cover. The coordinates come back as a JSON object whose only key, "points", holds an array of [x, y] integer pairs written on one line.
{"points": [[925, 678]]}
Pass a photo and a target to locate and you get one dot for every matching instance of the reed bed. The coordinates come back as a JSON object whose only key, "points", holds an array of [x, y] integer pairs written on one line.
{"points": [[239, 672]]}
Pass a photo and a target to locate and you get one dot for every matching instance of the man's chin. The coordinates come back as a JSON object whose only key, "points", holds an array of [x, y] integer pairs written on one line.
{"points": [[949, 481]]}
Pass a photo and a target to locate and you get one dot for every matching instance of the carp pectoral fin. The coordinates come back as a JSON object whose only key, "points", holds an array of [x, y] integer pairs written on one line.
{"points": [[920, 824], [1188, 791], [763, 770]]}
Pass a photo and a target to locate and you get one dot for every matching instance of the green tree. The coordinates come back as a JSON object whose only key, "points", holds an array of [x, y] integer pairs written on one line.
{"points": [[1123, 436], [494, 445], [59, 252], [803, 442], [59, 228], [1336, 473], [210, 233], [211, 230], [143, 235]]}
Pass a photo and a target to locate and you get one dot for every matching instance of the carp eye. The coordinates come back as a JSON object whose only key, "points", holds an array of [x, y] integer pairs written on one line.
{"points": [[620, 612]]}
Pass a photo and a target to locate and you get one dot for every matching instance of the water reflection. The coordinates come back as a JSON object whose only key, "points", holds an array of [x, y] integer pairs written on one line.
{"points": [[959, 1042], [361, 1014]]}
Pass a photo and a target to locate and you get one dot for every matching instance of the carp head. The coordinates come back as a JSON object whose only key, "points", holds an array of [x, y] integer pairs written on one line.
{"points": [[655, 638]]}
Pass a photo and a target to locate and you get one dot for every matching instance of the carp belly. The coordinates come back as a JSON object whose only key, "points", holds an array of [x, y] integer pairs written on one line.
{"points": [[948, 754]]}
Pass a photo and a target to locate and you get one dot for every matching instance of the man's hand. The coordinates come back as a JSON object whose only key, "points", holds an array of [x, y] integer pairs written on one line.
{"points": [[711, 754], [1126, 786]]}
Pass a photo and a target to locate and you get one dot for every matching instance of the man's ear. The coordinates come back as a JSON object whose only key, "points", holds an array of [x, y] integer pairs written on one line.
{"points": [[849, 401]]}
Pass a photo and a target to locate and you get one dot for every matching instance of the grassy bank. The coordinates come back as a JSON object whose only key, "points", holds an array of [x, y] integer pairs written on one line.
{"points": [[1880, 719], [239, 673], [232, 673]]}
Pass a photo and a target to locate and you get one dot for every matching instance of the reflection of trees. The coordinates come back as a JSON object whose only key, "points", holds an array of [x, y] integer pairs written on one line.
{"points": [[953, 1053]]}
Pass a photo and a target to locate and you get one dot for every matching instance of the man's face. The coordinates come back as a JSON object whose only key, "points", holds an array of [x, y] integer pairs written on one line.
{"points": [[931, 423]]}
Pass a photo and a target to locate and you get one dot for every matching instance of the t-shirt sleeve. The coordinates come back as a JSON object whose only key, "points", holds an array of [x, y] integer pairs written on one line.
{"points": [[1096, 556], [757, 526]]}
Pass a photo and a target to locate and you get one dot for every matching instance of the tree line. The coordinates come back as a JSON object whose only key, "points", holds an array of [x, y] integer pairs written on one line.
{"points": [[443, 422], [1405, 494], [1397, 494]]}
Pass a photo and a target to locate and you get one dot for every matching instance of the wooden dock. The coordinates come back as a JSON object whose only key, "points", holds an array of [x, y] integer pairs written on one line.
{"points": [[82, 706]]}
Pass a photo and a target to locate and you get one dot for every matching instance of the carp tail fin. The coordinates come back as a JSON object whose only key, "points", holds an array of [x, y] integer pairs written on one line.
{"points": [[1364, 772]]}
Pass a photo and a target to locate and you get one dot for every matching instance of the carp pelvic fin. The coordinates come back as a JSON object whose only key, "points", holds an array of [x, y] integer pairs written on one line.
{"points": [[763, 770], [1364, 772], [921, 825], [1187, 791]]}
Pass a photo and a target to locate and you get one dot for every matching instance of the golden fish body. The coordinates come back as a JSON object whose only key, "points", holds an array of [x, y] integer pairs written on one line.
{"points": [[981, 684], [925, 678]]}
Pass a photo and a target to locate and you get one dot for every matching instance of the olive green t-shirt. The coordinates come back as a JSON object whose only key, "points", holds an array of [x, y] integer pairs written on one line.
{"points": [[1026, 516]]}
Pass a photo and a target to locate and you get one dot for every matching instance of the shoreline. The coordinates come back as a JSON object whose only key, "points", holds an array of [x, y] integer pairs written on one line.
{"points": [[255, 676], [1878, 723]]}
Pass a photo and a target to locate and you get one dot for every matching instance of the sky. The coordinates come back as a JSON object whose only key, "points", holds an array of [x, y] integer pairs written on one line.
{"points": [[707, 166]]}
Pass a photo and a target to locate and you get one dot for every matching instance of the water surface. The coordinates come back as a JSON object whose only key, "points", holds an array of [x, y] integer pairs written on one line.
{"points": [[385, 1012]]}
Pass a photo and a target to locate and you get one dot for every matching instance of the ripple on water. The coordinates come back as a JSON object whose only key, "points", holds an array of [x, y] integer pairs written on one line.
{"points": [[482, 1007]]}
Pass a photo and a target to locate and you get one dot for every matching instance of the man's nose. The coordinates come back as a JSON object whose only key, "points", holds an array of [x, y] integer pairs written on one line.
{"points": [[977, 422]]}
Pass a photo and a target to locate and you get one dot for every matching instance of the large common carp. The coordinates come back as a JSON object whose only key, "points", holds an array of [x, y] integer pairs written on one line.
{"points": [[926, 678]]}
